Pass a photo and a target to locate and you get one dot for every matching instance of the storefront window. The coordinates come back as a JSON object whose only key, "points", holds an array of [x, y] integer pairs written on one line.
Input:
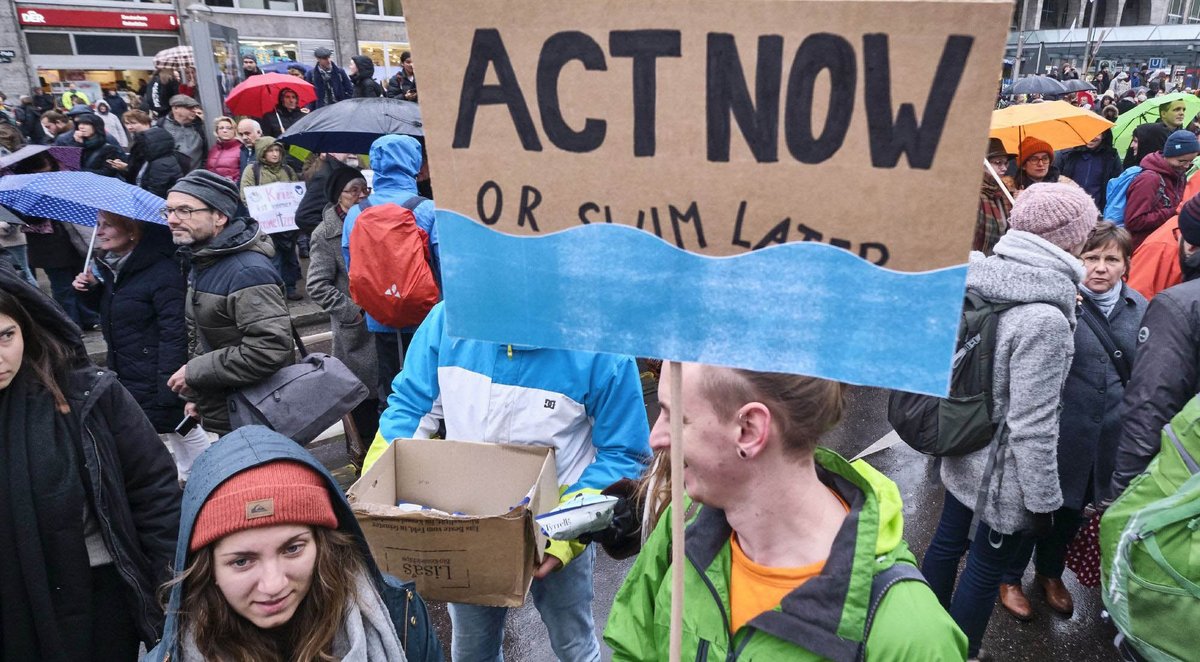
{"points": [[152, 45], [105, 44], [49, 43], [266, 52], [375, 52]]}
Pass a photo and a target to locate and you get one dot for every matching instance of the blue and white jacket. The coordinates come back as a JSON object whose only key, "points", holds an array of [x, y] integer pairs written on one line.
{"points": [[395, 160], [588, 406]]}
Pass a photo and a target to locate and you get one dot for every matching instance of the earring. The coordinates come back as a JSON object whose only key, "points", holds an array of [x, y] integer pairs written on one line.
{"points": [[742, 453]]}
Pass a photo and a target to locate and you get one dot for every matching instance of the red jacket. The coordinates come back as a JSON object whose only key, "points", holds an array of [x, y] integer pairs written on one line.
{"points": [[1153, 197], [224, 158]]}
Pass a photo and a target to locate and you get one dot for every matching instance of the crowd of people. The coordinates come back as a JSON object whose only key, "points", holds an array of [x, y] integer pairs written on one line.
{"points": [[137, 513]]}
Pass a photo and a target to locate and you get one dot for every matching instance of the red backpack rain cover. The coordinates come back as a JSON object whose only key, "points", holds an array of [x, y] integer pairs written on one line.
{"points": [[390, 276]]}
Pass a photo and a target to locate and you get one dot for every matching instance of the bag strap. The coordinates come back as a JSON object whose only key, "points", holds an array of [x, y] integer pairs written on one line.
{"points": [[900, 571], [257, 172], [1092, 314], [995, 463], [1188, 460], [412, 203]]}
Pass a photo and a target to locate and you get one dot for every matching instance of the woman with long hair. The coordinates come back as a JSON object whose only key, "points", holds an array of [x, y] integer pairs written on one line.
{"points": [[141, 292], [88, 494], [273, 566]]}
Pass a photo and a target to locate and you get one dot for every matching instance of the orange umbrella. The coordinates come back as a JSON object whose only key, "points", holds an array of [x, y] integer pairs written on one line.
{"points": [[257, 95], [1057, 122]]}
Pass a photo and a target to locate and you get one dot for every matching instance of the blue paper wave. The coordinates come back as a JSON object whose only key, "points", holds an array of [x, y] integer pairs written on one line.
{"points": [[803, 308]]}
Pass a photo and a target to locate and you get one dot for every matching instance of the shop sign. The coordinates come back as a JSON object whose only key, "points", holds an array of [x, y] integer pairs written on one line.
{"points": [[80, 18]]}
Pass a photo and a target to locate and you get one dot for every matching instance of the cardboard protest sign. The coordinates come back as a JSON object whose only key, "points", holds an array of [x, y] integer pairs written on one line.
{"points": [[837, 141], [274, 205]]}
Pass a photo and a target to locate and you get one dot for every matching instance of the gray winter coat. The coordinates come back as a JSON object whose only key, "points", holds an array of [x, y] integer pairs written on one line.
{"points": [[1034, 347], [329, 285], [1091, 416]]}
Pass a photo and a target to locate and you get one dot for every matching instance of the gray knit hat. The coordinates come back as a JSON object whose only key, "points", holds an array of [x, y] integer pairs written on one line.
{"points": [[216, 191]]}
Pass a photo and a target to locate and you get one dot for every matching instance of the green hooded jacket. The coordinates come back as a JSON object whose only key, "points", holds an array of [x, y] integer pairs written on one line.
{"points": [[825, 618], [259, 173]]}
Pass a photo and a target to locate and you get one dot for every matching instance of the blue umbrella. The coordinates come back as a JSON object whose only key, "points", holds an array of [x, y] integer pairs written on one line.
{"points": [[76, 197], [282, 66]]}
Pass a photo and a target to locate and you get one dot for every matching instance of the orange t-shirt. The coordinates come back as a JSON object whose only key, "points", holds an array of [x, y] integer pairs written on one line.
{"points": [[755, 588]]}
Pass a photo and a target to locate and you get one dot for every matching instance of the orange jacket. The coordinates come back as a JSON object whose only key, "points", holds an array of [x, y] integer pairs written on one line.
{"points": [[1155, 265]]}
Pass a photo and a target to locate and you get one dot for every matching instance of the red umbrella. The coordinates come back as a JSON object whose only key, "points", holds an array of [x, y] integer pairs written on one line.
{"points": [[258, 95]]}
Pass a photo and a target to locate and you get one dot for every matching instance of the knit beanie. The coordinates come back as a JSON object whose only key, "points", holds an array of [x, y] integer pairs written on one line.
{"points": [[214, 190], [1181, 142], [1030, 146], [1062, 214], [1189, 221], [279, 492]]}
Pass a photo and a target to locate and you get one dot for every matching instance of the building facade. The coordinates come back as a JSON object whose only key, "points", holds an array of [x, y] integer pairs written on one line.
{"points": [[112, 43]]}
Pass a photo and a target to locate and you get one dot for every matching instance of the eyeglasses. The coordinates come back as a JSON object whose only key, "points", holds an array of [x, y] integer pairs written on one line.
{"points": [[182, 213], [1043, 158], [357, 190]]}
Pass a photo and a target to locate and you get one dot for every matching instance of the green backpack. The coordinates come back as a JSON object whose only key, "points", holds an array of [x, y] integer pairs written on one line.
{"points": [[1150, 547]]}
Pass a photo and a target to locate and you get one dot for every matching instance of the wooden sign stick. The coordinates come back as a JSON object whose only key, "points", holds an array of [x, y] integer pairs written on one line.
{"points": [[678, 511], [999, 181]]}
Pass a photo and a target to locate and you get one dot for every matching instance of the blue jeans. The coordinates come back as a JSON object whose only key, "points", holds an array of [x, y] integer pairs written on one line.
{"points": [[20, 260], [71, 300], [285, 260], [990, 555], [564, 601], [1051, 550]]}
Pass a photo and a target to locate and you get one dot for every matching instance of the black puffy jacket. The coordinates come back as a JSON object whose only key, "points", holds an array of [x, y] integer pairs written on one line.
{"points": [[155, 147], [141, 315], [128, 474], [364, 81], [1166, 374]]}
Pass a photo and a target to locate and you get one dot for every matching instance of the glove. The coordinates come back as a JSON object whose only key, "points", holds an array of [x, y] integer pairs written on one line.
{"points": [[1043, 523], [622, 538]]}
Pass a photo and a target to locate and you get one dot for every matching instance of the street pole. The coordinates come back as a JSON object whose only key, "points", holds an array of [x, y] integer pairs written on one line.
{"points": [[200, 38], [1020, 42], [1087, 52]]}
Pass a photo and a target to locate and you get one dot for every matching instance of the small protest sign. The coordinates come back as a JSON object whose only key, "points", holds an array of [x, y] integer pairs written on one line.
{"points": [[274, 205], [837, 142]]}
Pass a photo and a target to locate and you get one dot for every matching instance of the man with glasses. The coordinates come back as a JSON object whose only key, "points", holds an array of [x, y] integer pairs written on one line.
{"points": [[239, 330], [993, 203]]}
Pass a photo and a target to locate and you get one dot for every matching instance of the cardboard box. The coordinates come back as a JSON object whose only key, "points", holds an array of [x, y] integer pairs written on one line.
{"points": [[487, 557]]}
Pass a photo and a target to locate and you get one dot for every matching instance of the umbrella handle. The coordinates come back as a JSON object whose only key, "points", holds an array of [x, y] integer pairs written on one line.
{"points": [[87, 261], [999, 181]]}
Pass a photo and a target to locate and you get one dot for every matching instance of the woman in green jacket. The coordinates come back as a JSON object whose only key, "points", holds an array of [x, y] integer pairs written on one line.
{"points": [[789, 540]]}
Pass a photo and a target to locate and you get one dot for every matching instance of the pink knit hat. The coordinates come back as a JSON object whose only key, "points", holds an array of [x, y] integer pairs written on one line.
{"points": [[1062, 214], [274, 493]]}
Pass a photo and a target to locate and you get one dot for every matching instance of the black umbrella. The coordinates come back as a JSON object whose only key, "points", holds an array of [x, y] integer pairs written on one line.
{"points": [[6, 216], [352, 125], [1076, 85], [1037, 85]]}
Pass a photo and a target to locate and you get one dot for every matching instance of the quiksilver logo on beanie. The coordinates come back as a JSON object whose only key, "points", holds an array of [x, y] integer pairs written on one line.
{"points": [[260, 508]]}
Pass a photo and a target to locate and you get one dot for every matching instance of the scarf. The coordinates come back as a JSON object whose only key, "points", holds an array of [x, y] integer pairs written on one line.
{"points": [[115, 261], [367, 633], [992, 222], [44, 578], [1104, 301], [327, 79]]}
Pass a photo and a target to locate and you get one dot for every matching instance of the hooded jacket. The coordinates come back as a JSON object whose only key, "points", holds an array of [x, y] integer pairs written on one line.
{"points": [[275, 122], [97, 151], [190, 141], [112, 124], [1153, 197], [825, 618], [253, 446], [1092, 168], [129, 477], [261, 173], [396, 161], [141, 315], [1034, 347], [364, 81], [239, 330], [152, 162]]}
